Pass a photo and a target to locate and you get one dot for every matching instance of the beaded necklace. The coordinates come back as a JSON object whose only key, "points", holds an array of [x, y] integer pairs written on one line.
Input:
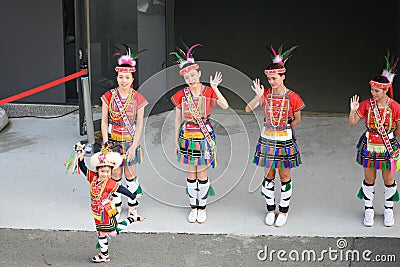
{"points": [[382, 122], [199, 102], [116, 115], [271, 117]]}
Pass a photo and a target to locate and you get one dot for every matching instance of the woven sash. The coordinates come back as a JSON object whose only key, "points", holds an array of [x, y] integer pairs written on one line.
{"points": [[394, 154], [128, 125], [195, 113], [381, 128]]}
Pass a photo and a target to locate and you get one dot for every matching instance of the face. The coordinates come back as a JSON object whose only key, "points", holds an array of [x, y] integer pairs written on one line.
{"points": [[124, 80], [378, 93], [104, 172], [192, 78], [275, 80]]}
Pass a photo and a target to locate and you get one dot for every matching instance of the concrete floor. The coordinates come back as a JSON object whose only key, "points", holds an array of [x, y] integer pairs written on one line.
{"points": [[38, 194]]}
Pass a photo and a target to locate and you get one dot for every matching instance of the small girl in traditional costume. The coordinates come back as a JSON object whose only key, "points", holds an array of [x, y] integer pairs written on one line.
{"points": [[122, 124], [101, 189], [277, 148], [194, 134], [378, 148]]}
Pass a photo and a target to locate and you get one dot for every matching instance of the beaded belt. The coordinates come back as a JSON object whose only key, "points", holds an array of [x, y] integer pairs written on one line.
{"points": [[120, 138]]}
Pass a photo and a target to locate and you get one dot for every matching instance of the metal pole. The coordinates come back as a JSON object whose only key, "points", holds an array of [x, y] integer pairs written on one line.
{"points": [[87, 104]]}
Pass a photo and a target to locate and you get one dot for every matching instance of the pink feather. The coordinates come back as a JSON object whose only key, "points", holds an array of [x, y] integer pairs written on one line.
{"points": [[190, 50], [273, 51], [116, 54], [394, 65]]}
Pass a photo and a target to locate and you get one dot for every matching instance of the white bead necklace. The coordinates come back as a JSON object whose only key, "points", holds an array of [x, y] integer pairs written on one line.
{"points": [[271, 114]]}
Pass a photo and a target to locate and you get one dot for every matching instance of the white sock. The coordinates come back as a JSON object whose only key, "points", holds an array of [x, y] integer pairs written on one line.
{"points": [[369, 191], [202, 194], [117, 197], [103, 242], [390, 192], [286, 194], [192, 191], [132, 186], [268, 190]]}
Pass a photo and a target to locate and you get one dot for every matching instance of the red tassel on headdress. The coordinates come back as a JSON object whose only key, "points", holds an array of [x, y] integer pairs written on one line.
{"points": [[391, 91]]}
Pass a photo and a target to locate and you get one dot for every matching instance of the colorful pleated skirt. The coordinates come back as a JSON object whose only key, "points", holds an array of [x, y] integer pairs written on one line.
{"points": [[123, 146], [277, 154], [195, 150], [373, 160], [109, 225]]}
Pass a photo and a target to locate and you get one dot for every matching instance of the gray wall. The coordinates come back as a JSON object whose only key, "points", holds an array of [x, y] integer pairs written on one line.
{"points": [[31, 48], [342, 43], [151, 36]]}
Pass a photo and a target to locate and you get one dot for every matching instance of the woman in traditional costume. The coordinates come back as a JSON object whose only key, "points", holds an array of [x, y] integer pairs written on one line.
{"points": [[122, 124], [277, 148], [378, 148], [194, 135]]}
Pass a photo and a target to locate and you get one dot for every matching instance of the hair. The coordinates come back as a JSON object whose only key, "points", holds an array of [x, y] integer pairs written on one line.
{"points": [[98, 168], [188, 64], [275, 66], [380, 79], [125, 65]]}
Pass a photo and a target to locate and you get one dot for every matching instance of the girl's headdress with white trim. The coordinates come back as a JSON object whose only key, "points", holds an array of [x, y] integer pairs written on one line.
{"points": [[388, 72], [126, 59], [185, 59], [279, 57]]}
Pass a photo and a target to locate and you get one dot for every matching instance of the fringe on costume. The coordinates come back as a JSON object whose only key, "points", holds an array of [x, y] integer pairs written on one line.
{"points": [[276, 154], [373, 160], [196, 151], [122, 147]]}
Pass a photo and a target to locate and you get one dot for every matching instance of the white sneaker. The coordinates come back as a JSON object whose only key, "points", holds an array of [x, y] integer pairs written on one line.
{"points": [[388, 217], [270, 218], [281, 219], [369, 217], [201, 215], [192, 216]]}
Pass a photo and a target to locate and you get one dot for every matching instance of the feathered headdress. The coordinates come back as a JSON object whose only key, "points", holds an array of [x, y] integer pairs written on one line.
{"points": [[279, 57], [388, 72], [127, 59], [185, 58], [106, 158]]}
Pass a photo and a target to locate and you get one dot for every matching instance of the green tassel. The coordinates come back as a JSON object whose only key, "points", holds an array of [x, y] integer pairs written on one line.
{"points": [[211, 191], [288, 186], [192, 145], [186, 191], [139, 190], [97, 245], [360, 194], [396, 197], [177, 55], [263, 185]]}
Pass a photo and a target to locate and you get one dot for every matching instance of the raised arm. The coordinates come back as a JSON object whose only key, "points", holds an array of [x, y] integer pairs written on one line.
{"points": [[214, 82], [258, 89], [354, 105], [81, 163]]}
